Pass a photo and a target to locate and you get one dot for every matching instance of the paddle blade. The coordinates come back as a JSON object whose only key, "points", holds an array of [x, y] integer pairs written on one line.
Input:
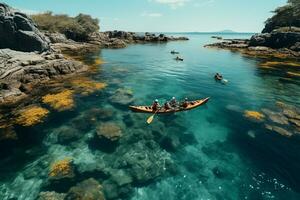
{"points": [[150, 119]]}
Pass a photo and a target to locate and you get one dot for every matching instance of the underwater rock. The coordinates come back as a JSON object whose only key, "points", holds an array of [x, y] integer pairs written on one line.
{"points": [[60, 101], [62, 169], [251, 134], [86, 86], [8, 133], [66, 134], [170, 143], [107, 137], [109, 131], [121, 178], [144, 164], [234, 108], [51, 196], [275, 117], [279, 130], [289, 111], [31, 115], [254, 115], [101, 113], [122, 97], [89, 189]]}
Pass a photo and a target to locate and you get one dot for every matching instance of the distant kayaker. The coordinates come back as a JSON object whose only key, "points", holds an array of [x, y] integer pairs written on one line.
{"points": [[185, 103], [155, 105], [218, 77], [173, 102]]}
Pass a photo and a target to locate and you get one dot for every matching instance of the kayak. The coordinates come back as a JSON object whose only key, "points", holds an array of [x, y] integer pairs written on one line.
{"points": [[191, 105], [179, 59]]}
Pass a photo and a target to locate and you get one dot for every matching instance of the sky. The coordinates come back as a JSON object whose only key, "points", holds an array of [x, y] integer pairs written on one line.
{"points": [[162, 15]]}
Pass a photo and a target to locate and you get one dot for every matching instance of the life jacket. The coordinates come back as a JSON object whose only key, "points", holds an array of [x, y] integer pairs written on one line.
{"points": [[155, 106]]}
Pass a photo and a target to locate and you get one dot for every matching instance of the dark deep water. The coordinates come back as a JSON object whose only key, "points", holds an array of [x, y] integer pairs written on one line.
{"points": [[212, 152]]}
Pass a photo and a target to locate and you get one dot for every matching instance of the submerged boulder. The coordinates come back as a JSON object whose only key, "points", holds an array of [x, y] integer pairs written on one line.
{"points": [[89, 189], [109, 131], [122, 97], [18, 31], [51, 196]]}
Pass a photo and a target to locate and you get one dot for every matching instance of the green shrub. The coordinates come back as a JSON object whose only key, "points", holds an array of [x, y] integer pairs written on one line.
{"points": [[285, 16], [76, 28]]}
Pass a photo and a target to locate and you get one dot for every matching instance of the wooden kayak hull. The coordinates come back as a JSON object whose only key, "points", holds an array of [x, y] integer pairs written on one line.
{"points": [[191, 105]]}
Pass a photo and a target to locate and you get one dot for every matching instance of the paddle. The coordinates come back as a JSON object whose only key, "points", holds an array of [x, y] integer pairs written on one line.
{"points": [[150, 119]]}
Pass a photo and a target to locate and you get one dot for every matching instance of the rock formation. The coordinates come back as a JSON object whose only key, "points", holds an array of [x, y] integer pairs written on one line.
{"points": [[19, 69], [18, 31]]}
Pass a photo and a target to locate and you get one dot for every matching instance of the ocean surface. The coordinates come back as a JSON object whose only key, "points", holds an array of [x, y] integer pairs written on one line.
{"points": [[216, 152]]}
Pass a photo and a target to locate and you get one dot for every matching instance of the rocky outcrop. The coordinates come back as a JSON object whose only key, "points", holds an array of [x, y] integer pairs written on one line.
{"points": [[275, 40], [275, 44], [120, 39], [19, 71], [18, 31]]}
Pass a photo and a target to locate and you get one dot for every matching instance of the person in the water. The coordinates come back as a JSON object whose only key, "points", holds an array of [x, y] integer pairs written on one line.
{"points": [[155, 105]]}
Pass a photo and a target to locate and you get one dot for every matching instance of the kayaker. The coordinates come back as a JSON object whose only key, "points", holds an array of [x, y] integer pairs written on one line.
{"points": [[173, 102], [218, 76], [185, 103], [155, 105], [167, 106]]}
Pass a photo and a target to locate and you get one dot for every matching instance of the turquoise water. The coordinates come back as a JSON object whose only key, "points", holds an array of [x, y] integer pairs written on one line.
{"points": [[215, 152]]}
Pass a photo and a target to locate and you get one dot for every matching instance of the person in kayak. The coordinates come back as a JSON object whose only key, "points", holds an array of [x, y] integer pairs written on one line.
{"points": [[185, 103], [173, 102], [155, 105], [167, 106], [218, 77]]}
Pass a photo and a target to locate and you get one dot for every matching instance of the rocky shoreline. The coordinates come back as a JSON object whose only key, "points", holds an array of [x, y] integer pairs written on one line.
{"points": [[30, 57], [275, 44]]}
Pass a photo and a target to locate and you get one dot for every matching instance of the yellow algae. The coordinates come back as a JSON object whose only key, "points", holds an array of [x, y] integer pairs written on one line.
{"points": [[31, 115], [86, 86], [293, 74], [254, 115], [60, 101], [281, 63], [62, 168], [98, 61]]}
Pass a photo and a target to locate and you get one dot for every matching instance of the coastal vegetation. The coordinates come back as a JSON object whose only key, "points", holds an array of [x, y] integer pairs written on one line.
{"points": [[76, 28], [286, 18]]}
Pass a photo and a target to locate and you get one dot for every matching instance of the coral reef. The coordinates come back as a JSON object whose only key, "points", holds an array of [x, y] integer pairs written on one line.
{"points": [[31, 115], [60, 101]]}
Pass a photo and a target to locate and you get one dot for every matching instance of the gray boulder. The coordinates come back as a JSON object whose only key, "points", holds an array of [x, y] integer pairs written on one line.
{"points": [[275, 40], [19, 32]]}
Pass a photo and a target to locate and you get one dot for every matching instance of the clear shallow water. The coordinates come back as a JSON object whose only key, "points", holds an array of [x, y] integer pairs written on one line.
{"points": [[230, 158]]}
